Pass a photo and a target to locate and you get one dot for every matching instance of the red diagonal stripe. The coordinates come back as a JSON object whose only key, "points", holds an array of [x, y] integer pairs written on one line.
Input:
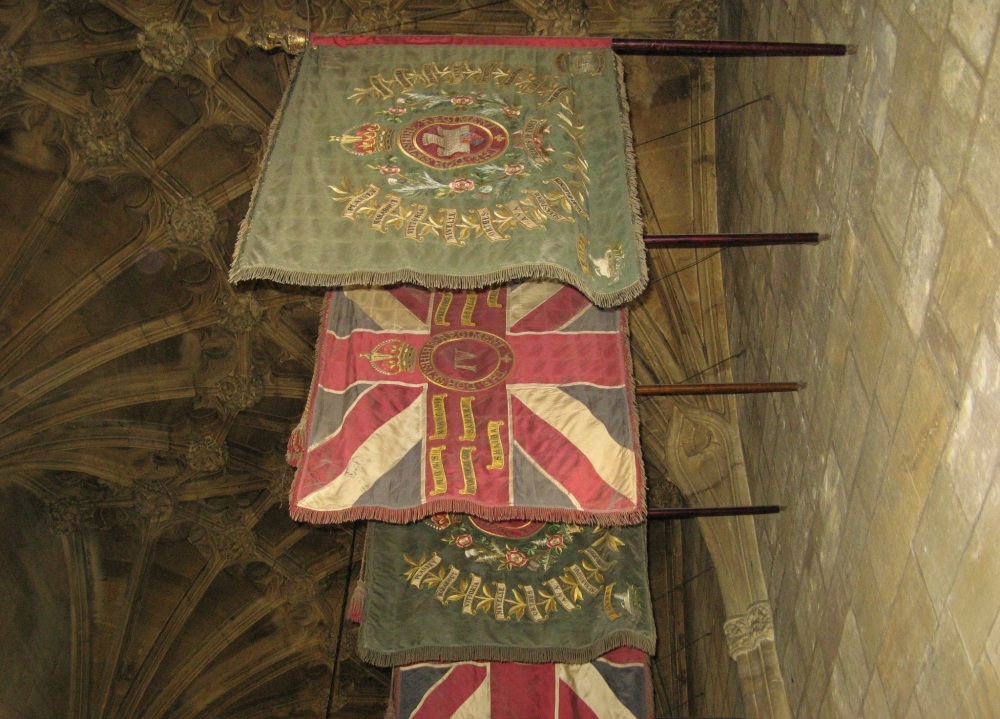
{"points": [[457, 686], [522, 691], [328, 460], [572, 707], [563, 306], [563, 460]]}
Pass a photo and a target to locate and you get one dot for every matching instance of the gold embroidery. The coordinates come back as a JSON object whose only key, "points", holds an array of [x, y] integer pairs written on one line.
{"points": [[378, 219], [354, 202], [609, 608], [468, 471], [493, 298], [419, 213], [486, 225], [441, 315], [442, 591], [530, 601], [520, 215], [437, 470], [450, 218], [546, 208], [582, 243], [496, 446], [440, 418], [581, 578], [470, 594], [560, 595], [424, 569], [470, 306], [568, 194], [468, 420], [594, 556], [499, 601]]}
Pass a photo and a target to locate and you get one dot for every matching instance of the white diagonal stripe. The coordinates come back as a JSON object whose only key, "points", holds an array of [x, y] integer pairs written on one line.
{"points": [[571, 418], [588, 684], [526, 297], [386, 446], [388, 312]]}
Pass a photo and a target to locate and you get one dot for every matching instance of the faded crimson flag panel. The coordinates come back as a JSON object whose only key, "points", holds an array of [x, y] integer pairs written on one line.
{"points": [[515, 402], [451, 163], [614, 686], [458, 588]]}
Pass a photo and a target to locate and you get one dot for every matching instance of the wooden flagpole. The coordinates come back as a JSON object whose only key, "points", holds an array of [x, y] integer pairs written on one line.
{"points": [[727, 48], [690, 512], [733, 240], [664, 390]]}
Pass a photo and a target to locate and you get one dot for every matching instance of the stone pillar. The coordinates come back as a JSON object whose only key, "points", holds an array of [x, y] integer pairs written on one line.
{"points": [[750, 638]]}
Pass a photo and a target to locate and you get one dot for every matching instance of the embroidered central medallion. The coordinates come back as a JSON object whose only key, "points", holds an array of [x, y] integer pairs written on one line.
{"points": [[466, 360], [515, 529], [449, 141]]}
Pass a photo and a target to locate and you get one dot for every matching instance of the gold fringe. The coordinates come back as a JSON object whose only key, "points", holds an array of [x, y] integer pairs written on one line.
{"points": [[533, 655], [633, 180], [271, 137], [407, 515]]}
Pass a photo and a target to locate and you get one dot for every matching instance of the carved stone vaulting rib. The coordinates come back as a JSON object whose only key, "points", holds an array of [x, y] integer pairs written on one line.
{"points": [[145, 402]]}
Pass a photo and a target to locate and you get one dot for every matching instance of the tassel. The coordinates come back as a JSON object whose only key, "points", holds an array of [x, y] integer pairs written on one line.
{"points": [[357, 603]]}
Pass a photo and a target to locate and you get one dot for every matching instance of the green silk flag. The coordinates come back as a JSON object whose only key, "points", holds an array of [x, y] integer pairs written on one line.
{"points": [[450, 162], [457, 588]]}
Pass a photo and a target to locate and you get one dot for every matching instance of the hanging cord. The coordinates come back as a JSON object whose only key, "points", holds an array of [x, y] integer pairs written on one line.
{"points": [[343, 619], [703, 122]]}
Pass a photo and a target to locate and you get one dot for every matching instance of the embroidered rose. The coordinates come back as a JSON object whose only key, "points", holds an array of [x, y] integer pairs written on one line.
{"points": [[397, 110], [389, 169], [511, 111], [441, 521], [462, 185], [463, 540], [556, 540], [461, 100], [515, 558], [515, 169]]}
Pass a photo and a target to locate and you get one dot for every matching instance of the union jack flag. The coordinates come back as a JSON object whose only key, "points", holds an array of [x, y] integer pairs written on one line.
{"points": [[514, 402], [614, 686]]}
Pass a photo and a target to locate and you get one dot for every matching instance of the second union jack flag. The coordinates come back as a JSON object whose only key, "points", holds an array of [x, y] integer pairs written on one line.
{"points": [[510, 402]]}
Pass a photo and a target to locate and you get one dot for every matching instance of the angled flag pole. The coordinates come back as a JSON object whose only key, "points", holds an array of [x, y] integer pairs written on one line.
{"points": [[728, 48], [733, 240], [692, 512], [667, 390]]}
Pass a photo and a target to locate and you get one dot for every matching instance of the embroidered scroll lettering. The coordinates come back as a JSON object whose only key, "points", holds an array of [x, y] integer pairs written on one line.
{"points": [[554, 96], [470, 594], [469, 308], [424, 570], [437, 470], [356, 201], [440, 418], [413, 224], [450, 218], [559, 594], [496, 446], [609, 607], [582, 580], [486, 225], [498, 602], [468, 471], [520, 215], [530, 601], [442, 591], [378, 219], [468, 420], [493, 297], [546, 208], [568, 194], [441, 314], [599, 561]]}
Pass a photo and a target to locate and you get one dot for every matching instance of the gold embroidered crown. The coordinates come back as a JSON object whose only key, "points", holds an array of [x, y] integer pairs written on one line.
{"points": [[391, 357], [366, 139]]}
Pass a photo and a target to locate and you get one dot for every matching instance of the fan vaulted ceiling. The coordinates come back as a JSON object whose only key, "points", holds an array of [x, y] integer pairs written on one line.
{"points": [[145, 402]]}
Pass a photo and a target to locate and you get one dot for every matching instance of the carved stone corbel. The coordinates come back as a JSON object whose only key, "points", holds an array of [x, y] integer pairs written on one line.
{"points": [[745, 632]]}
